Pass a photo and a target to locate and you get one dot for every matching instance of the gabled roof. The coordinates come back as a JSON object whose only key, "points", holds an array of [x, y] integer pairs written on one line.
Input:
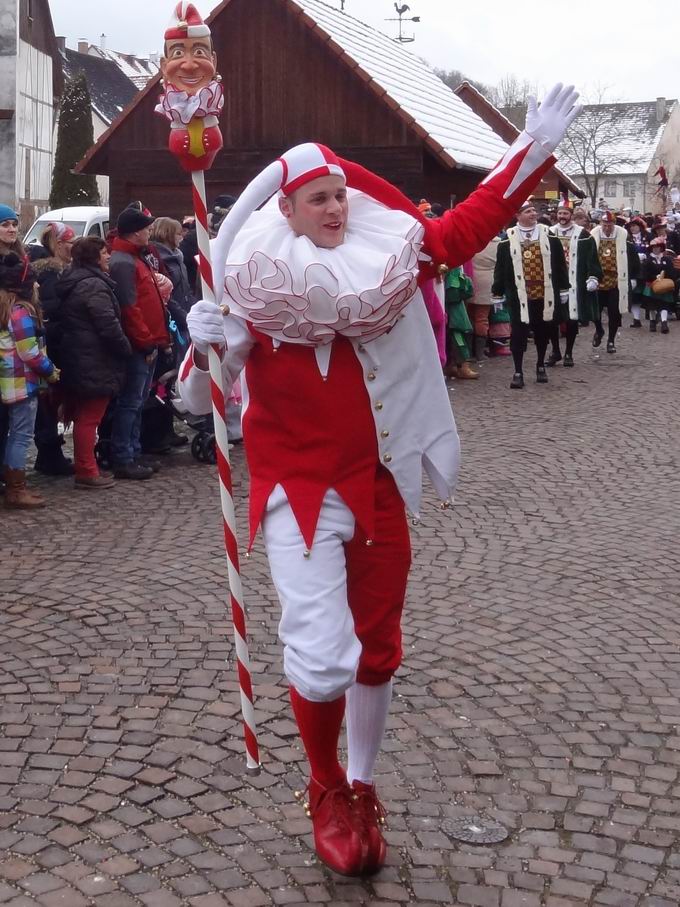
{"points": [[110, 90], [502, 126], [456, 134], [639, 127], [138, 69]]}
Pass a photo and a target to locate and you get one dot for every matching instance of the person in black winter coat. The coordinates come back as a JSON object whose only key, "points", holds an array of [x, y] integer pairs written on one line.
{"points": [[189, 249], [56, 241], [93, 351]]}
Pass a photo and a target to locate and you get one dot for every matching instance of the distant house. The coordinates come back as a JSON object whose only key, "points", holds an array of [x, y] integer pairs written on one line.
{"points": [[138, 69], [555, 183], [634, 140], [110, 93], [302, 70], [31, 84]]}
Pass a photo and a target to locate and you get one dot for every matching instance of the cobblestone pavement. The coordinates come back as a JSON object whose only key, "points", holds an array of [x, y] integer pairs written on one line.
{"points": [[541, 685]]}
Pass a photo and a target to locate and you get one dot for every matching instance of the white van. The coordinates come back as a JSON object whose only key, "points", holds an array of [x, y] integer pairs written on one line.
{"points": [[84, 221]]}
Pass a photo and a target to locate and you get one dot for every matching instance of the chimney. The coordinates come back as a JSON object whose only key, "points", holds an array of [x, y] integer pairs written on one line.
{"points": [[660, 110], [83, 46], [155, 59], [61, 43], [102, 41]]}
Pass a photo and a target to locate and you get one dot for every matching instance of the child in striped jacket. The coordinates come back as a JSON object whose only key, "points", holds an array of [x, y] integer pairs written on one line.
{"points": [[24, 370]]}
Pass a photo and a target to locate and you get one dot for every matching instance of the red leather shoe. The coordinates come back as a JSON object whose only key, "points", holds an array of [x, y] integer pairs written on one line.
{"points": [[337, 828], [371, 814]]}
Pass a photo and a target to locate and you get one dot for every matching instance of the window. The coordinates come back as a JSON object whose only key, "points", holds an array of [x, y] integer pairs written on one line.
{"points": [[610, 187], [629, 187], [94, 231]]}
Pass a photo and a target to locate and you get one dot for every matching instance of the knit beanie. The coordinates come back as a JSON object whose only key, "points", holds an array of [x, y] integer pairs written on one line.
{"points": [[7, 213], [17, 275], [132, 219]]}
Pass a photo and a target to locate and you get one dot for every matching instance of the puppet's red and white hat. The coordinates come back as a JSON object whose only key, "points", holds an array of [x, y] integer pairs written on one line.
{"points": [[293, 170], [186, 23]]}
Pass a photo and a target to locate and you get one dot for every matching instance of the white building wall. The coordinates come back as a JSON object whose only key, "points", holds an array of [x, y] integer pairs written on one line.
{"points": [[34, 129], [668, 154], [620, 191], [100, 128], [8, 101]]}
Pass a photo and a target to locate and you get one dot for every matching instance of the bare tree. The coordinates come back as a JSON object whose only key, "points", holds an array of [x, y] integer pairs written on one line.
{"points": [[597, 145], [454, 77], [511, 96]]}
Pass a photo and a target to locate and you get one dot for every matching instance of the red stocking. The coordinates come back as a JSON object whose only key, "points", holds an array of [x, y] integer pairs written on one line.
{"points": [[319, 724]]}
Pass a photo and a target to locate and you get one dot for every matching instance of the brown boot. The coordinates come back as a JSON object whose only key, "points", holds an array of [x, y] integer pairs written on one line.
{"points": [[467, 371], [17, 495]]}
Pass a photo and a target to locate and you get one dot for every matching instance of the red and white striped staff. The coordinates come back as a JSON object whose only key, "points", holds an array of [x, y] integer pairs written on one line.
{"points": [[219, 407], [192, 101]]}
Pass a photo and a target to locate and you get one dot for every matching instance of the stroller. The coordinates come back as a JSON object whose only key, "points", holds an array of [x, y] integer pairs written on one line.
{"points": [[158, 415]]}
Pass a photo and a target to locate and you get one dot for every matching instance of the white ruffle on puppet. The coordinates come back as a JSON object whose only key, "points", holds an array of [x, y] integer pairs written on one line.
{"points": [[294, 291], [181, 108]]}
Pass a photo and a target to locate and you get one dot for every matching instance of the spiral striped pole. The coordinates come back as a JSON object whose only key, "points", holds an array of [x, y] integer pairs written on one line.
{"points": [[219, 407]]}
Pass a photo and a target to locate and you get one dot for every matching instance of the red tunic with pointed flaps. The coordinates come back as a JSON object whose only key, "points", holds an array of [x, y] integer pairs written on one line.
{"points": [[308, 433]]}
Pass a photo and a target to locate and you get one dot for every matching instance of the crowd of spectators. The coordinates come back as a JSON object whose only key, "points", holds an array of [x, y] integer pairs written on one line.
{"points": [[87, 329]]}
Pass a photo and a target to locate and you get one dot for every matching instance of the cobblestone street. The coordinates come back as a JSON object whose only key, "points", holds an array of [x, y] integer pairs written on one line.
{"points": [[541, 683]]}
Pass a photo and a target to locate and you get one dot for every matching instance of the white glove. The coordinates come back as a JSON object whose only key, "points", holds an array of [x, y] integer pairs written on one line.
{"points": [[641, 256], [633, 284], [564, 296], [548, 123], [206, 325], [592, 284]]}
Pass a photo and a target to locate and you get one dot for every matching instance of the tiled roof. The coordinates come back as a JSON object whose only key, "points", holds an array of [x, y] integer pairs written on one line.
{"points": [[138, 69], [452, 128], [110, 90], [637, 134]]}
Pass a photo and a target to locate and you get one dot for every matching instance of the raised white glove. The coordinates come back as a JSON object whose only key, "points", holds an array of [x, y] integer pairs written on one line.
{"points": [[548, 123], [592, 284], [206, 325]]}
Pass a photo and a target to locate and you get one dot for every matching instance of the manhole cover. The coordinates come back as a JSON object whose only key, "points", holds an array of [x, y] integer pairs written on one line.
{"points": [[475, 830]]}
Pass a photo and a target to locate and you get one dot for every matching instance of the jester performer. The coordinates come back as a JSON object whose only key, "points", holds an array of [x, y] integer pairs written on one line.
{"points": [[344, 404], [193, 96]]}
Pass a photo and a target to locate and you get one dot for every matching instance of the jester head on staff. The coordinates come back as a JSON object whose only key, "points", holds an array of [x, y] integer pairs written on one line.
{"points": [[192, 98]]}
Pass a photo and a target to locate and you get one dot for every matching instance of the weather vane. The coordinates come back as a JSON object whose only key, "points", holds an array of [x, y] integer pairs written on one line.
{"points": [[404, 8]]}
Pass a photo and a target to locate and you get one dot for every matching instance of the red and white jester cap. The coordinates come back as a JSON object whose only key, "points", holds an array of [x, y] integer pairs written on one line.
{"points": [[294, 169], [186, 23]]}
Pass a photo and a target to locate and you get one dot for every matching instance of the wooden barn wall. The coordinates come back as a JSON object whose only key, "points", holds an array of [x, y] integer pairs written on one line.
{"points": [[283, 86], [446, 186], [166, 191]]}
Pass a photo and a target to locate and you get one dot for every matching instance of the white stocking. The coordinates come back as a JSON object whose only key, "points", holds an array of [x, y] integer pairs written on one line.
{"points": [[664, 314], [366, 715], [635, 311]]}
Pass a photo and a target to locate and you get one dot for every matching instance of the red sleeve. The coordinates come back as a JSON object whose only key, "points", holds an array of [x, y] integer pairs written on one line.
{"points": [[468, 228], [135, 328]]}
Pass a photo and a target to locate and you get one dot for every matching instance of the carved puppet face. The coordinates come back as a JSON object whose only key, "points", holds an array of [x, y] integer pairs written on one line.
{"points": [[189, 64]]}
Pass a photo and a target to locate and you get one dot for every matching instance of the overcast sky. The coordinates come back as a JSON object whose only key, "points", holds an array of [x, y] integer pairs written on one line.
{"points": [[590, 44]]}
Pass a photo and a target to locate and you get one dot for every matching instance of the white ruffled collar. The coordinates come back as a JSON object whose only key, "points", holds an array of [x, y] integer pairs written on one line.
{"points": [[295, 292]]}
